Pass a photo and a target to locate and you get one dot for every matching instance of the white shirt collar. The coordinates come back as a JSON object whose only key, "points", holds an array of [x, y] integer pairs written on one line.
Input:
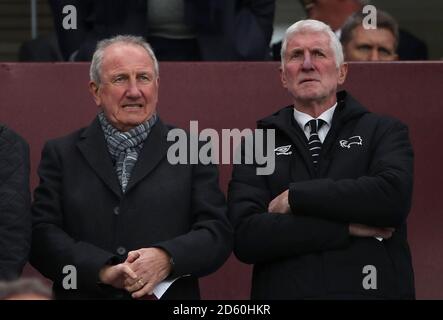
{"points": [[303, 118]]}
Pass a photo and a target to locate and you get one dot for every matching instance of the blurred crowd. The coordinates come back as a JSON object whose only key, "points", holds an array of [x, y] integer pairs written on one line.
{"points": [[214, 30]]}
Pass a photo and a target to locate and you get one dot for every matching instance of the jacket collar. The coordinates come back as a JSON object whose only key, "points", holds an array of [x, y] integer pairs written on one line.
{"points": [[283, 120], [155, 148], [347, 108], [92, 145]]}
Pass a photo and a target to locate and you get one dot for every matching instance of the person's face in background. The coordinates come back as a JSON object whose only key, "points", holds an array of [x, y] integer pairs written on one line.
{"points": [[128, 92], [370, 45], [309, 71]]}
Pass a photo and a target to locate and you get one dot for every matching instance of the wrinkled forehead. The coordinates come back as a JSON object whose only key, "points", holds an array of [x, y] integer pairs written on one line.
{"points": [[309, 39], [121, 54], [379, 35]]}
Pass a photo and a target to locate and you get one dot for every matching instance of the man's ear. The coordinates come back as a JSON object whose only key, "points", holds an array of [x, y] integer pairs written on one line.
{"points": [[284, 82], [94, 88], [342, 72]]}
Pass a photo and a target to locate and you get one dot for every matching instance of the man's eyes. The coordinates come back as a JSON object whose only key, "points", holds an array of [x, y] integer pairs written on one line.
{"points": [[364, 48], [123, 79], [300, 54], [119, 79], [381, 50], [318, 54], [296, 54], [144, 78], [385, 52]]}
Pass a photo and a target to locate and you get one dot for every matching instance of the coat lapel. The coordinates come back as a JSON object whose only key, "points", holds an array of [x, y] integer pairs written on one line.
{"points": [[154, 149], [287, 124], [93, 147]]}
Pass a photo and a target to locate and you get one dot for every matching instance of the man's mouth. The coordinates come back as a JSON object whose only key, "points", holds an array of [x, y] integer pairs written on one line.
{"points": [[132, 105], [308, 80]]}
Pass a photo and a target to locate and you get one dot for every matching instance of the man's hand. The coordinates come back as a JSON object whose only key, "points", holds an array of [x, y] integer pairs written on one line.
{"points": [[152, 266], [361, 230], [116, 275], [280, 204]]}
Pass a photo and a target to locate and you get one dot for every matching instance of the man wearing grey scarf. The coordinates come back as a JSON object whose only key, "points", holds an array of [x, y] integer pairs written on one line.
{"points": [[124, 147], [112, 206]]}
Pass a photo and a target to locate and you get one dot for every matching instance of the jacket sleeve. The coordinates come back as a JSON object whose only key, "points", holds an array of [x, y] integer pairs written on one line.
{"points": [[261, 236], [15, 217], [382, 198], [209, 242], [53, 248]]}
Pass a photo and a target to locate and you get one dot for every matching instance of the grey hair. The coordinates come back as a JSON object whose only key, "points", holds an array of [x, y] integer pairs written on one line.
{"points": [[310, 25], [97, 58], [24, 286]]}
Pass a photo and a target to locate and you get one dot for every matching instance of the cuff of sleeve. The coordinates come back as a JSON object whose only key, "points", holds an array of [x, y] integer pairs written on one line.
{"points": [[291, 198], [88, 276]]}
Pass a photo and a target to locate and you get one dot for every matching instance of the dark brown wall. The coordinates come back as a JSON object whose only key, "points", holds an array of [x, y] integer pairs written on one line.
{"points": [[42, 101]]}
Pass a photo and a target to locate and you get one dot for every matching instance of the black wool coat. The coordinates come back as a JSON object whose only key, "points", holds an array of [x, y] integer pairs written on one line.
{"points": [[15, 200], [364, 176], [82, 218]]}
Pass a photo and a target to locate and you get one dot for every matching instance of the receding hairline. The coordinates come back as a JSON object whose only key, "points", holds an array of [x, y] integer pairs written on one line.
{"points": [[123, 44], [307, 31], [97, 59], [311, 26]]}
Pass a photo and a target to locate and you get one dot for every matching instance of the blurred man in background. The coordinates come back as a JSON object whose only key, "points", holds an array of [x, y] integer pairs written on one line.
{"points": [[178, 30], [361, 44], [335, 12]]}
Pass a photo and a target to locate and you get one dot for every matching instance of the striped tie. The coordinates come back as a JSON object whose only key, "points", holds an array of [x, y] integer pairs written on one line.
{"points": [[314, 143]]}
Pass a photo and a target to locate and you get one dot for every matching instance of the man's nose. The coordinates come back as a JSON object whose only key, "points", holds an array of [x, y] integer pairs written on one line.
{"points": [[307, 62], [133, 90], [374, 55]]}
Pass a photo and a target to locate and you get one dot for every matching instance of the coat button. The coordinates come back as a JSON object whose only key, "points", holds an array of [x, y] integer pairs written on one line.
{"points": [[121, 250], [117, 211]]}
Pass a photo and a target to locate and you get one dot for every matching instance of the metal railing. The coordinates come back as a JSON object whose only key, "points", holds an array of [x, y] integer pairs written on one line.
{"points": [[34, 19]]}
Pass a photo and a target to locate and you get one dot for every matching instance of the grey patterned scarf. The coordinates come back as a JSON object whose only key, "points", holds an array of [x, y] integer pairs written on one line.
{"points": [[124, 147]]}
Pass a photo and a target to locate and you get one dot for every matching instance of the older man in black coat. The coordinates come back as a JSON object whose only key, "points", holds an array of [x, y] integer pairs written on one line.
{"points": [[111, 213], [330, 221]]}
